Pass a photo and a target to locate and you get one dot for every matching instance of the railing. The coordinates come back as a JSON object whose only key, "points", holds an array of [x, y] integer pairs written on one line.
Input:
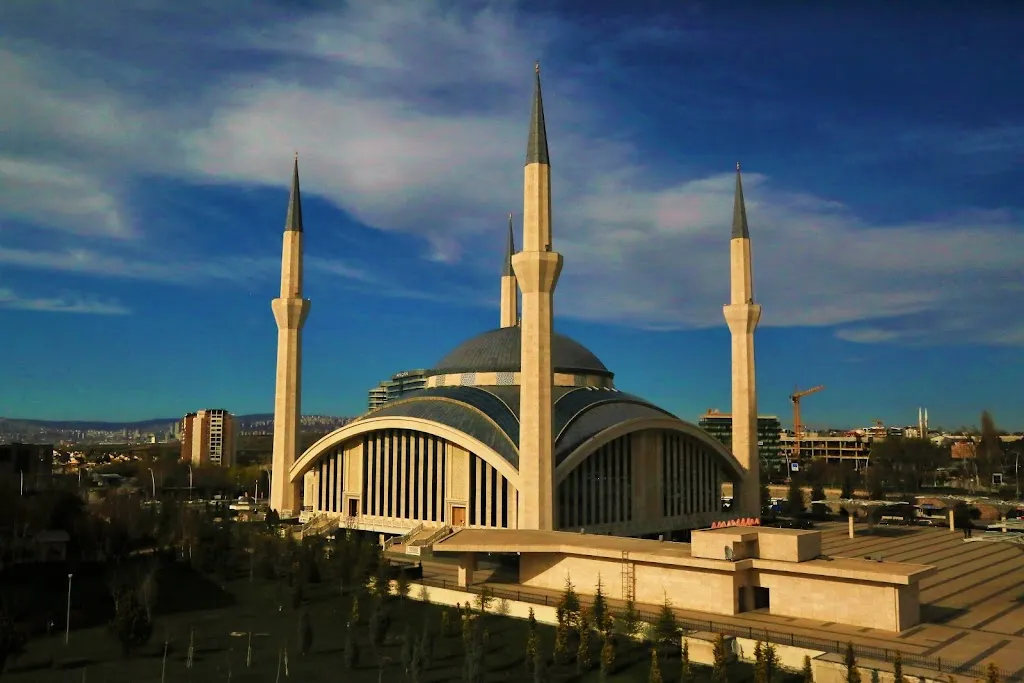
{"points": [[433, 538], [404, 537], [977, 670], [310, 524]]}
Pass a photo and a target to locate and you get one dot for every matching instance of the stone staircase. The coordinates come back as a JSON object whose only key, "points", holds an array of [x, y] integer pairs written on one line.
{"points": [[417, 538]]}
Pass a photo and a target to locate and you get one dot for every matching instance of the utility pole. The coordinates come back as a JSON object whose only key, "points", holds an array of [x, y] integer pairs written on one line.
{"points": [[67, 625]]}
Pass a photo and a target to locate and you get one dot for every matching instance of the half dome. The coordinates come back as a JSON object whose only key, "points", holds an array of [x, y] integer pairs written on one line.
{"points": [[499, 351]]}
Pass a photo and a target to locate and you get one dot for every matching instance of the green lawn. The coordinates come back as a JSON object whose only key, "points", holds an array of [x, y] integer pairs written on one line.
{"points": [[264, 609]]}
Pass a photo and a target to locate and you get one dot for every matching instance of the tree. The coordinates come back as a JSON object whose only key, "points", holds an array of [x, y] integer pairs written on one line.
{"points": [[794, 497], [402, 585], [629, 620], [771, 662], [407, 646], [686, 667], [875, 481], [655, 674], [305, 633], [760, 671], [897, 668], [472, 666], [570, 604], [583, 662], [562, 641], [719, 669], [607, 655], [818, 493], [807, 674], [416, 665], [850, 662], [351, 649], [874, 676], [12, 642], [531, 640], [666, 627], [992, 671], [426, 647], [540, 669], [354, 612], [378, 626], [990, 450], [132, 626], [847, 489], [599, 609]]}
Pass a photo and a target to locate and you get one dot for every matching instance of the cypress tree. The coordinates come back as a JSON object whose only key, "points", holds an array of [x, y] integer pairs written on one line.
{"points": [[850, 662], [655, 675]]}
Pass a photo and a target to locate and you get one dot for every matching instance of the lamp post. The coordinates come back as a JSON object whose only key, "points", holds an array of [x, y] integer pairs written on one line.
{"points": [[152, 478], [67, 624], [190, 483], [1016, 472]]}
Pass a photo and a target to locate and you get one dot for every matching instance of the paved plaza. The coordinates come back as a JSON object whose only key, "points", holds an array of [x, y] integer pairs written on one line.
{"points": [[972, 607]]}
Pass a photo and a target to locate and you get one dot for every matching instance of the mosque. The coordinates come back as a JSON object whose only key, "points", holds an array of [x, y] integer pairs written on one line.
{"points": [[519, 427], [520, 436]]}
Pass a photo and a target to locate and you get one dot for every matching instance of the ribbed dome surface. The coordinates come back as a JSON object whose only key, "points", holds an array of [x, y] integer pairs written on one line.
{"points": [[498, 351]]}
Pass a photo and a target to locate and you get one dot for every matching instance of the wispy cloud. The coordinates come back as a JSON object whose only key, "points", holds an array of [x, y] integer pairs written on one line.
{"points": [[67, 303], [413, 120]]}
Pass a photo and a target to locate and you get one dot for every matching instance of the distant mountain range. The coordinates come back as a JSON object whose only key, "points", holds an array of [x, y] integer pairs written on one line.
{"points": [[245, 423]]}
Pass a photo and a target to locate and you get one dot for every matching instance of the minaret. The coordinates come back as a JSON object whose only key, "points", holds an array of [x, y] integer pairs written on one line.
{"points": [[509, 288], [536, 268], [742, 316], [290, 311]]}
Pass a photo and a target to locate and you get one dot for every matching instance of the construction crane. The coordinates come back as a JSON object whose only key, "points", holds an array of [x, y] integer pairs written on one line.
{"points": [[798, 428]]}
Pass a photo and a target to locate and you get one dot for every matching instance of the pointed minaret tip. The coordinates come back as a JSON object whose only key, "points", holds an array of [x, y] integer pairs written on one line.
{"points": [[293, 223], [537, 145], [510, 249], [739, 210]]}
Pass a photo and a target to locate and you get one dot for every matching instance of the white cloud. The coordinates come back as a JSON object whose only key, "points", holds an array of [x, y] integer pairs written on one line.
{"points": [[59, 196], [415, 121], [68, 303]]}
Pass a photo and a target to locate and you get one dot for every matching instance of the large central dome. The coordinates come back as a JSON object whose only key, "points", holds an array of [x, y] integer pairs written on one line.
{"points": [[498, 351]]}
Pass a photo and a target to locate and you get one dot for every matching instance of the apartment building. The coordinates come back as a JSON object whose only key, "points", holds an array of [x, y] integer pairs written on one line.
{"points": [[852, 448], [209, 437], [719, 425], [399, 385]]}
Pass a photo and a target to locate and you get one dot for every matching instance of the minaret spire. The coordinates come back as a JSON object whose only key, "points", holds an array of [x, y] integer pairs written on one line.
{"points": [[742, 316], [290, 311], [739, 210], [510, 249], [537, 143], [294, 220], [537, 268], [509, 287]]}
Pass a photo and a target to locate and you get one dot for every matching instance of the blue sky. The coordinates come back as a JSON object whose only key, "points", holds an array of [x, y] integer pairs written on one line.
{"points": [[146, 150]]}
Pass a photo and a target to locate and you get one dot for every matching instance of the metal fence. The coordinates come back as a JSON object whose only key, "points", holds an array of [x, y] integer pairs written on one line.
{"points": [[937, 664]]}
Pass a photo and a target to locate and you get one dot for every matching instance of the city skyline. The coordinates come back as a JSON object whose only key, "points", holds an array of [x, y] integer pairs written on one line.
{"points": [[144, 232]]}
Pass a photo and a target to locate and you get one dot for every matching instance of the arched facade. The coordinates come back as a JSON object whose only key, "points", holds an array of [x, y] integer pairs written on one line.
{"points": [[642, 477], [390, 474]]}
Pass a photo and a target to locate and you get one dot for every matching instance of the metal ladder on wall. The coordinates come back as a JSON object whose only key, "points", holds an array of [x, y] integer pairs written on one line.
{"points": [[628, 578]]}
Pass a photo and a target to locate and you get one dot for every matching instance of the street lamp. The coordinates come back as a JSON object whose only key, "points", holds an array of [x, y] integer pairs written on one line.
{"points": [[152, 477], [67, 626], [190, 483], [1016, 472]]}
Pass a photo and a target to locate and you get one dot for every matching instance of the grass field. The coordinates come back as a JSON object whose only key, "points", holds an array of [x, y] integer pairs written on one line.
{"points": [[262, 608]]}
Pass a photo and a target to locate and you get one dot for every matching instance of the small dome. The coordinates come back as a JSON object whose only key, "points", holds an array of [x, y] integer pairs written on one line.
{"points": [[499, 351]]}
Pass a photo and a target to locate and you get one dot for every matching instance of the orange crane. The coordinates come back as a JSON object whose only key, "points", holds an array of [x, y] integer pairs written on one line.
{"points": [[798, 428]]}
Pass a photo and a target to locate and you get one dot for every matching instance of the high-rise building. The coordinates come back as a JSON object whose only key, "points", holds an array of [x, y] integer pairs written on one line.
{"points": [[396, 387], [209, 437], [769, 431]]}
